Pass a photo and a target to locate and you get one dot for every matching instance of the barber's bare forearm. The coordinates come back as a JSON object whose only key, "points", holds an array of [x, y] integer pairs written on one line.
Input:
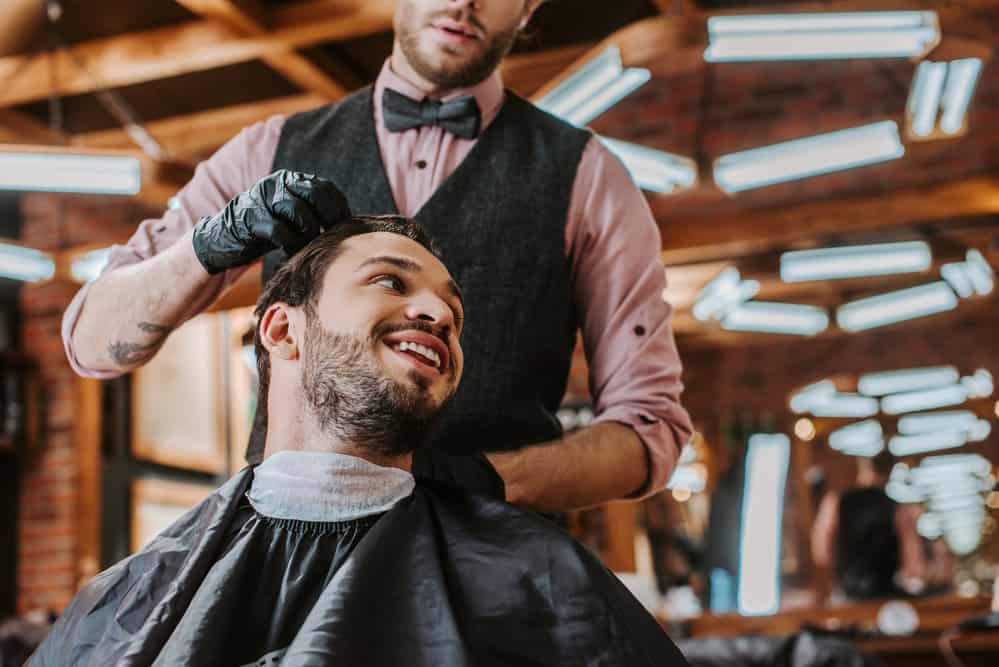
{"points": [[130, 311], [607, 461]]}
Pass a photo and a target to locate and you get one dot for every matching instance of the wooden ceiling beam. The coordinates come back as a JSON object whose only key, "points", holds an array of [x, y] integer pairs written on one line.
{"points": [[705, 237], [16, 127], [193, 135], [189, 47], [250, 18]]}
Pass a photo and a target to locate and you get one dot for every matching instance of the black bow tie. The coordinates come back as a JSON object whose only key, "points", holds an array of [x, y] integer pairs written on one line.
{"points": [[460, 117]]}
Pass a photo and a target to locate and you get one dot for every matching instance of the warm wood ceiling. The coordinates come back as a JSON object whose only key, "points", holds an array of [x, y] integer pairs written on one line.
{"points": [[195, 71]]}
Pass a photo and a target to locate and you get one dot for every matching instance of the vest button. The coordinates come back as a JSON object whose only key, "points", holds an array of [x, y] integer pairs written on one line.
{"points": [[421, 164], [639, 330]]}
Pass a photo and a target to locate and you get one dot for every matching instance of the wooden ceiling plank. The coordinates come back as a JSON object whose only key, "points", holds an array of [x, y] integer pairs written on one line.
{"points": [[250, 18], [189, 47], [199, 133], [196, 134], [17, 127], [691, 239]]}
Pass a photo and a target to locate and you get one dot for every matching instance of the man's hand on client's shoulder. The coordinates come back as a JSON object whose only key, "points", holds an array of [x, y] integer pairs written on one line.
{"points": [[285, 210], [471, 472]]}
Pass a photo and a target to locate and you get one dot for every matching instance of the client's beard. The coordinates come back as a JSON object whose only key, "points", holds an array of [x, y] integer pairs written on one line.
{"points": [[354, 401]]}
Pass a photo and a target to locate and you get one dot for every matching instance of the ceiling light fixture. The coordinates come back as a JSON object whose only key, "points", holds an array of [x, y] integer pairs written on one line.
{"points": [[654, 170], [812, 156], [907, 445], [88, 266], [898, 306], [593, 88], [822, 400], [855, 261], [777, 318], [970, 277], [25, 264], [821, 36], [864, 438], [928, 422], [926, 399], [767, 460], [724, 293], [909, 379], [944, 90], [56, 172]]}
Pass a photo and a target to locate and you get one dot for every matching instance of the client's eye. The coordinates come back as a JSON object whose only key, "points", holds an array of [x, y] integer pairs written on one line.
{"points": [[390, 281]]}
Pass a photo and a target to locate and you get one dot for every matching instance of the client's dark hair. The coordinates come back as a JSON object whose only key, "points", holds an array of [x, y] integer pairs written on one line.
{"points": [[299, 281]]}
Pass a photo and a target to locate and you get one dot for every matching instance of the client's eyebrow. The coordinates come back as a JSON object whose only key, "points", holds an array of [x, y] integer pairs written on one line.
{"points": [[410, 266]]}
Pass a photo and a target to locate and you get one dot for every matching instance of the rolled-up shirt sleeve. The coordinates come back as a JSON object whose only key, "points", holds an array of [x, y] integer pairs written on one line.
{"points": [[234, 168], [613, 244]]}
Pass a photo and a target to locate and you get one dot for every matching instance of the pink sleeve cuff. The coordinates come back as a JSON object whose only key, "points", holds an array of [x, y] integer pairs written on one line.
{"points": [[663, 441]]}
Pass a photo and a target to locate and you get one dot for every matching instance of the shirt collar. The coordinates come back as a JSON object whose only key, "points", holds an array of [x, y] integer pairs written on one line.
{"points": [[488, 93], [325, 486]]}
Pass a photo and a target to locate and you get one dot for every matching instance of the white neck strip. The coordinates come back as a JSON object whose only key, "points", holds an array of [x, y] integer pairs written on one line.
{"points": [[325, 486]]}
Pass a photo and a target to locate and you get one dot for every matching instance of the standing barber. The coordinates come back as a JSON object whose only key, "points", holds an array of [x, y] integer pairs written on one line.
{"points": [[539, 223]]}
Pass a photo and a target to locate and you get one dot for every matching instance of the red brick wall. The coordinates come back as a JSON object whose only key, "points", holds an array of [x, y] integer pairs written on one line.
{"points": [[47, 541]]}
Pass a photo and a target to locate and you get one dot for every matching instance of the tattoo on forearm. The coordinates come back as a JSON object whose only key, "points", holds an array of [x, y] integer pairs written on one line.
{"points": [[151, 328], [126, 354]]}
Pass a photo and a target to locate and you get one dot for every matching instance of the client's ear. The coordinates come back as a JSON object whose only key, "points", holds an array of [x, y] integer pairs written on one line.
{"points": [[277, 332]]}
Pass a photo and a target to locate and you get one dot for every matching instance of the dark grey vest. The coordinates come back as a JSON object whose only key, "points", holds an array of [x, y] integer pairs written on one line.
{"points": [[499, 221]]}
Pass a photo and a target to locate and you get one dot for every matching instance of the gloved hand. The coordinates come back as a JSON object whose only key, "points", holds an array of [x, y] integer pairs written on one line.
{"points": [[469, 472], [285, 210]]}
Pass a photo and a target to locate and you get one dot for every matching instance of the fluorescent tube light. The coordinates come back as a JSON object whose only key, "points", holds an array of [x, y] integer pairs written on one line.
{"points": [[907, 445], [88, 266], [979, 272], [821, 36], [978, 385], [760, 529], [903, 493], [810, 396], [723, 294], [27, 264], [955, 503], [956, 275], [909, 379], [854, 435], [929, 525], [822, 400], [594, 88], [924, 97], [855, 261], [846, 406], [979, 431], [812, 156], [926, 399], [654, 170], [962, 75], [70, 173], [963, 543], [898, 306], [692, 477], [777, 318], [927, 422]]}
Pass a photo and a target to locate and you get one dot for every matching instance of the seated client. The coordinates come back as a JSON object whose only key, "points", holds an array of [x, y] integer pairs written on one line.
{"points": [[328, 552]]}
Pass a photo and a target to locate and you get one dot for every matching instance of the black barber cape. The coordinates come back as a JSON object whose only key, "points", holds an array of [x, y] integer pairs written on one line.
{"points": [[441, 579]]}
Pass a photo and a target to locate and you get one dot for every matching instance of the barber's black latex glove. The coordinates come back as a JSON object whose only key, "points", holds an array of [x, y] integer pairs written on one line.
{"points": [[285, 210], [469, 472]]}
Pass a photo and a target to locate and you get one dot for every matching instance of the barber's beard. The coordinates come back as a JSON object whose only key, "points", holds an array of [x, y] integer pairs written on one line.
{"points": [[354, 401], [461, 75]]}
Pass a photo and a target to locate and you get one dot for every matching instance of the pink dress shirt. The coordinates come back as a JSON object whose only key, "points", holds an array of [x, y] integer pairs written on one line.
{"points": [[611, 240]]}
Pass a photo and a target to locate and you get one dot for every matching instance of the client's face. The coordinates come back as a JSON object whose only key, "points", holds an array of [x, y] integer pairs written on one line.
{"points": [[381, 354]]}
